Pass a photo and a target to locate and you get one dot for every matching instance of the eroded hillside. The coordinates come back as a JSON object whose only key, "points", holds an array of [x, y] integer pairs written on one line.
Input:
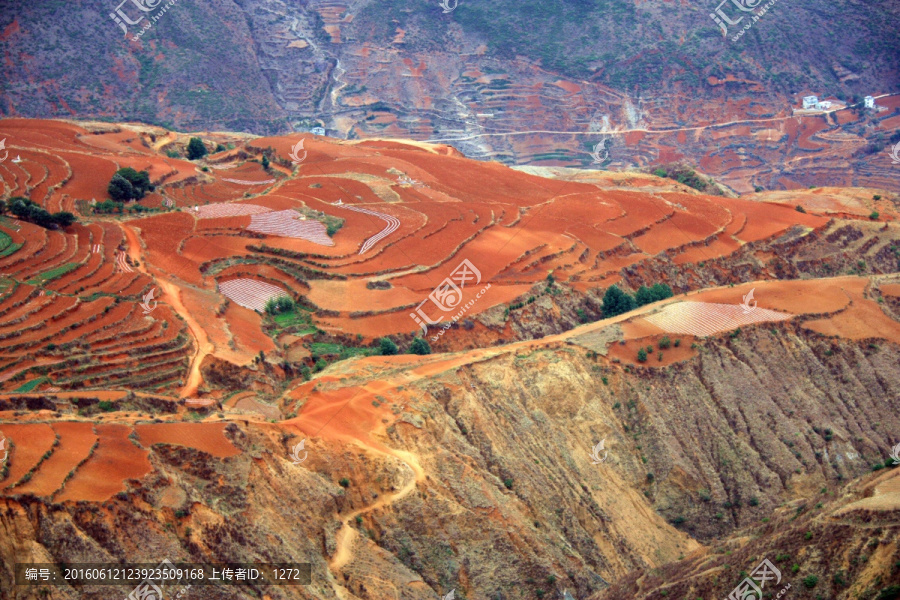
{"points": [[473, 470]]}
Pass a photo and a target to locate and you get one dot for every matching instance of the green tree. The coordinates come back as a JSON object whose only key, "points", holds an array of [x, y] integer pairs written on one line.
{"points": [[63, 219], [661, 291], [196, 149], [642, 355], [281, 304], [139, 180], [120, 189], [17, 205], [643, 296], [420, 346], [25, 209], [388, 347], [128, 184], [265, 162], [107, 206], [616, 302]]}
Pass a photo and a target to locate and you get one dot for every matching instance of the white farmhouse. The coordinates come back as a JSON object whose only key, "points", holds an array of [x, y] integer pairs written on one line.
{"points": [[810, 102], [869, 102]]}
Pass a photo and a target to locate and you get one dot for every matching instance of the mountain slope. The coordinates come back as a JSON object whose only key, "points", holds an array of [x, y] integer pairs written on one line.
{"points": [[593, 72]]}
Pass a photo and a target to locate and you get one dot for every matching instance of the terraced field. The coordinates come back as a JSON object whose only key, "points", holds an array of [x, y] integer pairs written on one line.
{"points": [[345, 233], [79, 460]]}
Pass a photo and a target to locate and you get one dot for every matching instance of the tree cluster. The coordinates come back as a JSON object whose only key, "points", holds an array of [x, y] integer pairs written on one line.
{"points": [[387, 347], [128, 184], [26, 210], [281, 304], [617, 302], [196, 149]]}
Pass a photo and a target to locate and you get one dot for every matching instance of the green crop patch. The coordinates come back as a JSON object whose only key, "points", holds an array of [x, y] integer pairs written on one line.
{"points": [[7, 246], [28, 387], [53, 274]]}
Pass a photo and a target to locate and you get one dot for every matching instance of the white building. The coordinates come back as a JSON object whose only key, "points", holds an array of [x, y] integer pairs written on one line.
{"points": [[317, 131], [869, 102], [810, 102], [823, 105]]}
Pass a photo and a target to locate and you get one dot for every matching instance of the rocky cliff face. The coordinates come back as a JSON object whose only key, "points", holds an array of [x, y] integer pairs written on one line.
{"points": [[479, 477]]}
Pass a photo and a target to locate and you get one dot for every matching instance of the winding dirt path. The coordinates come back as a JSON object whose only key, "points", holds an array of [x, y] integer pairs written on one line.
{"points": [[204, 346], [346, 536], [172, 294]]}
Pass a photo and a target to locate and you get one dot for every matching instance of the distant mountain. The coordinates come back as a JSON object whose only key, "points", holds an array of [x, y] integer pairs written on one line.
{"points": [[410, 69]]}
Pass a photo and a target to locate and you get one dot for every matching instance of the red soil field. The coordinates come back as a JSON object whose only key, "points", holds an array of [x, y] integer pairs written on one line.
{"points": [[75, 441], [863, 318], [766, 220], [513, 226], [90, 176], [246, 329], [103, 475], [627, 352], [206, 437], [890, 289], [31, 441], [346, 413], [797, 297]]}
